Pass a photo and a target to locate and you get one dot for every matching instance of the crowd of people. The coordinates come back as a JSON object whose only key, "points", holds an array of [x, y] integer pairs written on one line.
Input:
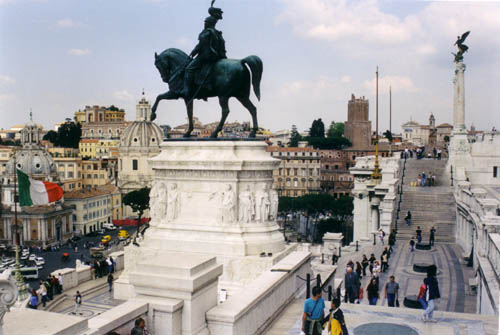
{"points": [[419, 153], [48, 289], [426, 179]]}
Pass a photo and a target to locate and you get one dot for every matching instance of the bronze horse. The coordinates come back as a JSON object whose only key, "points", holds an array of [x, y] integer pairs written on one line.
{"points": [[228, 78]]}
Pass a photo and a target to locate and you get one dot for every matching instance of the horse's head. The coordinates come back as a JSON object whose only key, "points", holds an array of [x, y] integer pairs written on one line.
{"points": [[169, 61]]}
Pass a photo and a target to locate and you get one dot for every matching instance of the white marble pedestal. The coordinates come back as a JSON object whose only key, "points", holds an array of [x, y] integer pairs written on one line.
{"points": [[214, 198]]}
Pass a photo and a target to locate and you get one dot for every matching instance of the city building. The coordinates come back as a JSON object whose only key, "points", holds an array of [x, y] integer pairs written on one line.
{"points": [[335, 176], [69, 167], [101, 122], [94, 207], [99, 148], [140, 141], [421, 135], [36, 225], [357, 128], [299, 171], [98, 172], [5, 154]]}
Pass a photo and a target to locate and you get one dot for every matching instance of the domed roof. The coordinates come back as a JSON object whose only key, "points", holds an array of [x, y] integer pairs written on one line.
{"points": [[142, 134], [34, 162]]}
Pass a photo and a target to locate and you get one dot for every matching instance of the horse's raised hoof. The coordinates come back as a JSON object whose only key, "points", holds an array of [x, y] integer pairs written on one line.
{"points": [[252, 134], [153, 116], [214, 134]]}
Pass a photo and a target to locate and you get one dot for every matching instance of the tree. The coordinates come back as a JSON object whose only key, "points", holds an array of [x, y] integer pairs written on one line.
{"points": [[447, 139], [388, 135], [138, 200], [69, 134], [336, 130], [295, 137], [51, 136], [317, 129]]}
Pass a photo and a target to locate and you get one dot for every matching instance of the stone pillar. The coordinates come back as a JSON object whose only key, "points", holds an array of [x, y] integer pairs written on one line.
{"points": [[375, 216], [331, 243], [459, 99]]}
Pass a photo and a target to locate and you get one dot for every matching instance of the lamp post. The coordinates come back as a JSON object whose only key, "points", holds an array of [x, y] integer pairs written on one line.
{"points": [[18, 276]]}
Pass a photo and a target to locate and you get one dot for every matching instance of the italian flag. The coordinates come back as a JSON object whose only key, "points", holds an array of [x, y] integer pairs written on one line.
{"points": [[36, 192]]}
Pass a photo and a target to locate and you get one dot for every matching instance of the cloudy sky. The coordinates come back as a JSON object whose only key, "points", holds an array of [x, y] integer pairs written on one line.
{"points": [[57, 56]]}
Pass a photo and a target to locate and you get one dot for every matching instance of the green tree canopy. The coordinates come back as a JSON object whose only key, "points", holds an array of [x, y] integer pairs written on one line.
{"points": [[336, 130], [138, 200], [68, 135], [295, 137], [317, 129], [388, 135]]}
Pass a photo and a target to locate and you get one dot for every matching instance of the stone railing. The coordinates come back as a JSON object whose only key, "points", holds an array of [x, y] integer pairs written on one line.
{"points": [[476, 201], [493, 254], [73, 277], [255, 307]]}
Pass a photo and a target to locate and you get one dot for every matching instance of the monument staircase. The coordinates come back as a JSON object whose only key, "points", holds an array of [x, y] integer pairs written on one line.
{"points": [[429, 206]]}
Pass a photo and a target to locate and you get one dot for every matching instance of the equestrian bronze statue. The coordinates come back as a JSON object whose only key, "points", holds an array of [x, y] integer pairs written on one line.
{"points": [[207, 73]]}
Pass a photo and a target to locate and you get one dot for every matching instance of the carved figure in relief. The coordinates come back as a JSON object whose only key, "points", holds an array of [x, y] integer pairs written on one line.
{"points": [[247, 205], [228, 203], [274, 204], [158, 202], [262, 204], [173, 203]]}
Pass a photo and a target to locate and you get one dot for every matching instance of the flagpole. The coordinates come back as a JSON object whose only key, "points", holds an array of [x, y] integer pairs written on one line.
{"points": [[21, 286], [376, 173]]}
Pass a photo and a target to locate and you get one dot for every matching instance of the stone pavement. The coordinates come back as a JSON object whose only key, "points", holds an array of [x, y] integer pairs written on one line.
{"points": [[390, 321], [95, 299], [452, 275]]}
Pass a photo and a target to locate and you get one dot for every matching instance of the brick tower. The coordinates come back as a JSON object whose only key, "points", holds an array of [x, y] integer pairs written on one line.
{"points": [[358, 127]]}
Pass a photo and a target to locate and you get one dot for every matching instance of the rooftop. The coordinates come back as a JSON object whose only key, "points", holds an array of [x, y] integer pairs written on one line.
{"points": [[83, 194]]}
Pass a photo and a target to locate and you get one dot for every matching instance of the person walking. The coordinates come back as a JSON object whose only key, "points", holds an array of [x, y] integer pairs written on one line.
{"points": [[351, 283], [431, 294], [110, 281], [408, 218], [336, 314], [313, 315], [381, 235], [372, 261], [372, 291], [421, 295], [364, 264], [432, 235], [359, 270], [376, 271], [412, 244], [419, 179], [419, 234], [78, 303], [384, 258], [391, 291], [60, 282], [42, 291]]}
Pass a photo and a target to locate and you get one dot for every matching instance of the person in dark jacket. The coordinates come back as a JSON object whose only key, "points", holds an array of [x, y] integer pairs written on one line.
{"points": [[431, 294], [337, 314], [372, 291], [351, 283], [140, 327]]}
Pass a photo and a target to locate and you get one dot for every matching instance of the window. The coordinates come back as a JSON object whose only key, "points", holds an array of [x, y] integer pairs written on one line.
{"points": [[327, 166], [295, 183], [89, 176], [70, 174], [135, 165], [95, 175], [295, 172], [495, 172], [336, 167], [310, 172]]}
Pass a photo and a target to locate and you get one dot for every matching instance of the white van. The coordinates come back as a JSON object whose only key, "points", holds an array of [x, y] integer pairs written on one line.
{"points": [[109, 226]]}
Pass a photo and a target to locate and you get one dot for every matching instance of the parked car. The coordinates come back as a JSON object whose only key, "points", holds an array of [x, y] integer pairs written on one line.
{"points": [[40, 261], [105, 239], [32, 257], [123, 235]]}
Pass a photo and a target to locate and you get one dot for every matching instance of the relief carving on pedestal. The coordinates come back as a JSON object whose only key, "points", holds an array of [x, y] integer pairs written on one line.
{"points": [[173, 203], [228, 204], [262, 204], [274, 204], [247, 205], [8, 293], [158, 201]]}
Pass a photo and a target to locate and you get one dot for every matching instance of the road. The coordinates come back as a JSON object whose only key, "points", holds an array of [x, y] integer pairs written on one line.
{"points": [[53, 259]]}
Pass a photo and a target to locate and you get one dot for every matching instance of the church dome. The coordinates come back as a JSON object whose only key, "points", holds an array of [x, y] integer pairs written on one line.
{"points": [[34, 162], [142, 134]]}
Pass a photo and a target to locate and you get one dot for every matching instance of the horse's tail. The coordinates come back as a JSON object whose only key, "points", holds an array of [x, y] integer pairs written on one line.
{"points": [[256, 67]]}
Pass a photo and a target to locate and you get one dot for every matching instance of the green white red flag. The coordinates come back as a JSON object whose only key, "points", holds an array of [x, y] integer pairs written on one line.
{"points": [[36, 192]]}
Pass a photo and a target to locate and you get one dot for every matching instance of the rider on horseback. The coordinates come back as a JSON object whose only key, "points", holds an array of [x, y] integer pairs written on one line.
{"points": [[211, 47]]}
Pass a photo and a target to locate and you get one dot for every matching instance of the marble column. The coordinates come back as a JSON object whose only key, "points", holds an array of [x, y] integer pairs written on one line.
{"points": [[459, 99]]}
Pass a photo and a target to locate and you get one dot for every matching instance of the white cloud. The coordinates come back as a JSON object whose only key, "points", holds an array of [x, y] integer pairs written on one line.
{"points": [[78, 52], [314, 88], [66, 23], [123, 95], [6, 97], [6, 79], [345, 79], [345, 19], [398, 84]]}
